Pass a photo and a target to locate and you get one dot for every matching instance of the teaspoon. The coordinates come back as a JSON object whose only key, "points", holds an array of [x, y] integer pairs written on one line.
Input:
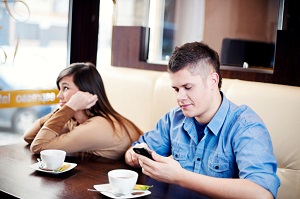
{"points": [[118, 195], [115, 194]]}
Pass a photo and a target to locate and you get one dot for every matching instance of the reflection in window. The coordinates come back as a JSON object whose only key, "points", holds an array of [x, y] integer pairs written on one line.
{"points": [[33, 50], [33, 41]]}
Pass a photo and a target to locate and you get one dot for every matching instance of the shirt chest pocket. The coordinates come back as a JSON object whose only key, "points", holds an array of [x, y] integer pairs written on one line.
{"points": [[218, 166], [182, 153], [179, 153]]}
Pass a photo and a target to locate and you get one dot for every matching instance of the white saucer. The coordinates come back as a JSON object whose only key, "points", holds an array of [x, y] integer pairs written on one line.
{"points": [[36, 166], [102, 188]]}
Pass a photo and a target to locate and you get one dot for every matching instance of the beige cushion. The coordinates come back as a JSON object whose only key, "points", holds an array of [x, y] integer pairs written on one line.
{"points": [[279, 107], [164, 98], [131, 93]]}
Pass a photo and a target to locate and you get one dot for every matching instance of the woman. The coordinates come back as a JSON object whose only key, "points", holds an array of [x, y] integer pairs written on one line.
{"points": [[85, 122]]}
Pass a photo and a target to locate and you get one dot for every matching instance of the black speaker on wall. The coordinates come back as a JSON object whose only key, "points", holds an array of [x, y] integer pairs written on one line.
{"points": [[235, 52]]}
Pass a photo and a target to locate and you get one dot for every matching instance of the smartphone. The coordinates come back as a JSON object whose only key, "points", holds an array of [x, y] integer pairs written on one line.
{"points": [[143, 151]]}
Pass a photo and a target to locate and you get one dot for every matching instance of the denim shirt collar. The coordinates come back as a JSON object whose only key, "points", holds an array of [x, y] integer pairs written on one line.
{"points": [[214, 125], [190, 127], [217, 121]]}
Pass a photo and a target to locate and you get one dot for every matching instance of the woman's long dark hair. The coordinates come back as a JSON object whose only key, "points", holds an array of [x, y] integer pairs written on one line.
{"points": [[87, 78]]}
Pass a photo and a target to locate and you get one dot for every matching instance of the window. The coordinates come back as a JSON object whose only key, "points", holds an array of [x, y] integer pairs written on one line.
{"points": [[123, 13], [106, 17], [173, 23], [242, 32], [33, 50]]}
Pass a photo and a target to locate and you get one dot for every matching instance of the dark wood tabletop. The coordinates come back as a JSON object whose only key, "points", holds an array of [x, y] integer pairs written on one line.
{"points": [[18, 180]]}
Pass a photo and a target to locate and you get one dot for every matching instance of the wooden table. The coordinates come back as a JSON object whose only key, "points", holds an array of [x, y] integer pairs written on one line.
{"points": [[17, 180]]}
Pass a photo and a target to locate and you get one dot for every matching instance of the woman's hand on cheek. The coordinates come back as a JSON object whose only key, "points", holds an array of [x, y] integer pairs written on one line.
{"points": [[82, 100]]}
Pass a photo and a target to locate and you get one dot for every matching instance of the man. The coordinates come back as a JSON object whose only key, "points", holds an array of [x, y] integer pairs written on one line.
{"points": [[219, 149]]}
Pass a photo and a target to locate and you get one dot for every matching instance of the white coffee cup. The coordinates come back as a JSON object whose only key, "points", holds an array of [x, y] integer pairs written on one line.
{"points": [[122, 181], [52, 158]]}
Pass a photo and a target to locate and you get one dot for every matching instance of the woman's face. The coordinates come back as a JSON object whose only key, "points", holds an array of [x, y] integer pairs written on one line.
{"points": [[67, 89]]}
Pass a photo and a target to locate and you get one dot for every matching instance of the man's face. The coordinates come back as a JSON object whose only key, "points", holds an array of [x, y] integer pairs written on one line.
{"points": [[194, 93]]}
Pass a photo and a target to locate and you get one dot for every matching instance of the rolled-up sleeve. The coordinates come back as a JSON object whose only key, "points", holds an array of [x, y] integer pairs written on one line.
{"points": [[255, 158]]}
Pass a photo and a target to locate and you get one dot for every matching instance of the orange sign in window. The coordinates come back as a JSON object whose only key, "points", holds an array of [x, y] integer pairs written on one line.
{"points": [[24, 98]]}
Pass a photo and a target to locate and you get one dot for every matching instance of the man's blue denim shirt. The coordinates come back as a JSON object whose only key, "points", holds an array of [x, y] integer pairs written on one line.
{"points": [[236, 144]]}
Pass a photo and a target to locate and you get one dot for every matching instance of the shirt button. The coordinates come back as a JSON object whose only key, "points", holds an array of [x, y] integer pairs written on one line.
{"points": [[198, 159], [216, 167], [176, 156]]}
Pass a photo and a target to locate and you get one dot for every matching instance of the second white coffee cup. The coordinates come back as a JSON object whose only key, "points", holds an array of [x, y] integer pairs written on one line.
{"points": [[122, 181], [52, 158]]}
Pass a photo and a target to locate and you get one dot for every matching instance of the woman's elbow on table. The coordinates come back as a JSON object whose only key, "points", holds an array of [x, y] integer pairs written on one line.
{"points": [[35, 149], [28, 139]]}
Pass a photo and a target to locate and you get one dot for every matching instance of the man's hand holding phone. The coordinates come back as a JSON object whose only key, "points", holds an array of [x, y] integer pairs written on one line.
{"points": [[142, 151], [130, 155]]}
